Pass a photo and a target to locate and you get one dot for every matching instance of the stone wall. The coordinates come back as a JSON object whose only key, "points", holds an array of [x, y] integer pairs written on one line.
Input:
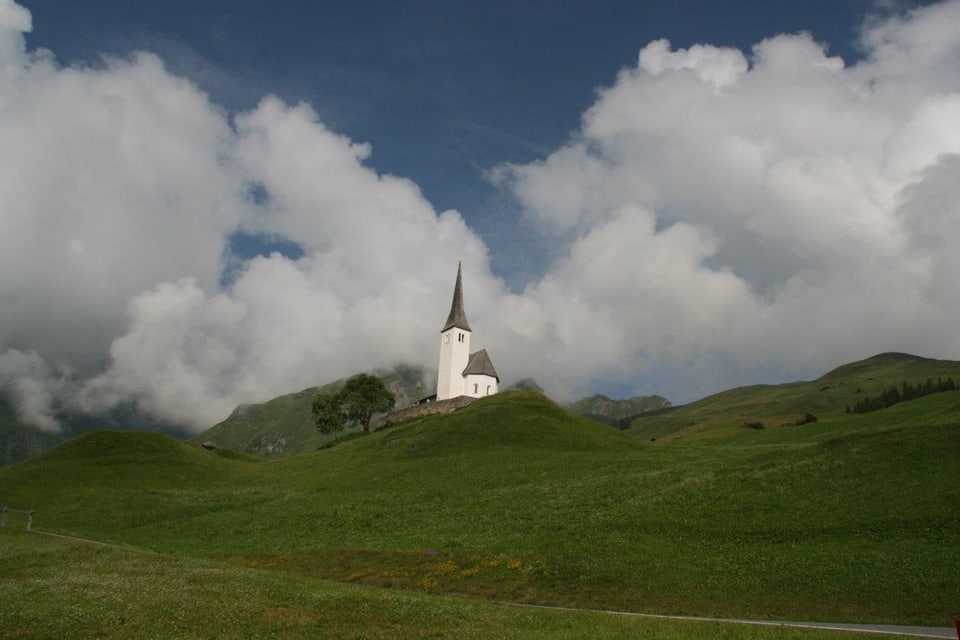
{"points": [[426, 409]]}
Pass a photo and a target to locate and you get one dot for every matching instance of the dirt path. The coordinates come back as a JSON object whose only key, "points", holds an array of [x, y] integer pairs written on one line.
{"points": [[887, 629], [89, 541]]}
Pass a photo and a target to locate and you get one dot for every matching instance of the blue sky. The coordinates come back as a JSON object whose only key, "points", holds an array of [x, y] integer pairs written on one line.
{"points": [[444, 91], [210, 203]]}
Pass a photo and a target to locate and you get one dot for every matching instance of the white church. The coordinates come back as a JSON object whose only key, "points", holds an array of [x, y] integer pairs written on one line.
{"points": [[462, 373]]}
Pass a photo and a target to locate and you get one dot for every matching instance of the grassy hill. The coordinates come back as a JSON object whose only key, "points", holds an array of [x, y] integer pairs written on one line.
{"points": [[514, 498], [725, 414], [284, 426], [20, 441]]}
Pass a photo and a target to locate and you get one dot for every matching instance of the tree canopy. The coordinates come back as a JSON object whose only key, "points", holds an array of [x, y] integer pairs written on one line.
{"points": [[362, 397], [326, 413]]}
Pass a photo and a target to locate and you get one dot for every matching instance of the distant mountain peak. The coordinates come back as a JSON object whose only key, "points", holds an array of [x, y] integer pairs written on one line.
{"points": [[526, 384], [602, 408]]}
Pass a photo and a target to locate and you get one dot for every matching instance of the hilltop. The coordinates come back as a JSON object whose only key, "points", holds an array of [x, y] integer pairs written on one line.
{"points": [[284, 426], [727, 413]]}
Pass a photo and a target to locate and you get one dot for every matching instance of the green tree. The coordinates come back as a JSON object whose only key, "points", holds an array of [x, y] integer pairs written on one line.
{"points": [[326, 413], [362, 397]]}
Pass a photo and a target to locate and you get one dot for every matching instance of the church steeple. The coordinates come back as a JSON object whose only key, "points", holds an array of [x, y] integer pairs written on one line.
{"points": [[459, 372], [457, 317]]}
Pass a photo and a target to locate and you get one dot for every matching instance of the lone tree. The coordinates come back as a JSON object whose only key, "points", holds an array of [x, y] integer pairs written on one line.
{"points": [[357, 402]]}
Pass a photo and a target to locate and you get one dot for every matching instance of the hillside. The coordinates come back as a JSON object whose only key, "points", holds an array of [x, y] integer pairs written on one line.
{"points": [[20, 441], [514, 498], [281, 426], [726, 413], [284, 426]]}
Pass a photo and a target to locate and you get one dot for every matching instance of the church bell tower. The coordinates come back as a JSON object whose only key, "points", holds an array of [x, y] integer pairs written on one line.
{"points": [[454, 346]]}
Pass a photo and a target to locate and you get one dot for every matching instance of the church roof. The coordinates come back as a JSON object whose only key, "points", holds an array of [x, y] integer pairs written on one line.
{"points": [[457, 317], [480, 364]]}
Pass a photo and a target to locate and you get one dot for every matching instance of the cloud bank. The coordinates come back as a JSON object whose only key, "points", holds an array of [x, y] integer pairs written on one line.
{"points": [[722, 213], [781, 211], [120, 187]]}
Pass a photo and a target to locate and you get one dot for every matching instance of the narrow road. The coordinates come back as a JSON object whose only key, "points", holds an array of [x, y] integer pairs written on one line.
{"points": [[888, 629]]}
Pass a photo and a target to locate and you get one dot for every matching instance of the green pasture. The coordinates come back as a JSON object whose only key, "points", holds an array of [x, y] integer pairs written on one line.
{"points": [[55, 588]]}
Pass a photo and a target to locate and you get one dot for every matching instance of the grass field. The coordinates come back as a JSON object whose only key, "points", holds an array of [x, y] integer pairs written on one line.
{"points": [[54, 588]]}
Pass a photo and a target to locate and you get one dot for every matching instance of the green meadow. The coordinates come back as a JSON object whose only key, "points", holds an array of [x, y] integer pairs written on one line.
{"points": [[52, 588], [853, 518]]}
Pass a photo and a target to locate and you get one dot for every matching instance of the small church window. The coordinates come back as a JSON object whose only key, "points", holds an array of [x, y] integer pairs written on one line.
{"points": [[446, 338], [488, 389], [476, 388]]}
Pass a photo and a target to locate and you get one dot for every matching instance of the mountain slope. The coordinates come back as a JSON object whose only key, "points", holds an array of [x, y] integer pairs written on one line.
{"points": [[284, 426], [615, 412], [726, 413]]}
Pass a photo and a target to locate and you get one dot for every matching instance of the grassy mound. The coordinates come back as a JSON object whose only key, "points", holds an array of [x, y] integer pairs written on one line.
{"points": [[519, 421]]}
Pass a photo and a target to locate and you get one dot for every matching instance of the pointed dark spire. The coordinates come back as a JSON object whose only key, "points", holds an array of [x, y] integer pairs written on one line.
{"points": [[457, 317]]}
